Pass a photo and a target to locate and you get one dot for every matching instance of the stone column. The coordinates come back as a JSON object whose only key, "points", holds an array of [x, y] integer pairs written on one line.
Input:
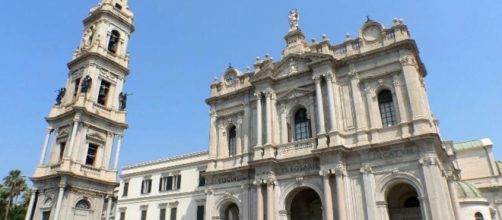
{"points": [[361, 118], [401, 107], [238, 136], [259, 201], [58, 204], [284, 125], [268, 117], [73, 135], [340, 189], [213, 135], [108, 208], [320, 108], [434, 190], [328, 206], [259, 140], [413, 85], [44, 149], [454, 196], [83, 142], [117, 152], [331, 102], [270, 200], [107, 151], [32, 203], [369, 196], [246, 122]]}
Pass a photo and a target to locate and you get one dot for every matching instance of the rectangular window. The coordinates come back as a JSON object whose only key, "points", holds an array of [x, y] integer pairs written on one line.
{"points": [[62, 146], [122, 215], [202, 179], [173, 213], [177, 182], [126, 189], [143, 214], [200, 212], [104, 89], [91, 154], [146, 186], [76, 85], [162, 214], [46, 215]]}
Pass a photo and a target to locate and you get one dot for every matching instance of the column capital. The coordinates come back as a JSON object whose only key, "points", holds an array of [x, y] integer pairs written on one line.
{"points": [[366, 169], [329, 76], [408, 61], [340, 169], [317, 78], [258, 95], [325, 172], [428, 161], [268, 92], [258, 182]]}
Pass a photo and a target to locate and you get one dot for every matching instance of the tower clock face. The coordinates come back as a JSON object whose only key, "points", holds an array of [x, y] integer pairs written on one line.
{"points": [[371, 33], [230, 79]]}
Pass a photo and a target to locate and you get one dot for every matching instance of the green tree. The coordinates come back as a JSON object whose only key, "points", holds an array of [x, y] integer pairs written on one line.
{"points": [[15, 184]]}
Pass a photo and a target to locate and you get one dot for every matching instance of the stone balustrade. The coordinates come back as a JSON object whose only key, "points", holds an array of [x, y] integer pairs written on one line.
{"points": [[296, 148]]}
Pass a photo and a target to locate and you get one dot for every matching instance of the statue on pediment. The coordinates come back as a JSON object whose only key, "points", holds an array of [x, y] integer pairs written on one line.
{"points": [[294, 17]]}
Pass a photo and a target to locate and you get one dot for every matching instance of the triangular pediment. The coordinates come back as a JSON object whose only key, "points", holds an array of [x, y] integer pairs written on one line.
{"points": [[96, 136], [294, 94]]}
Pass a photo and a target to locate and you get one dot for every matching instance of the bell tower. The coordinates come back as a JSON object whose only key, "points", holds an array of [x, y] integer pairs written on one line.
{"points": [[77, 172]]}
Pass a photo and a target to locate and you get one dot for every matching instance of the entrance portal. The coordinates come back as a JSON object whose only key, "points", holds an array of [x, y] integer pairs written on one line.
{"points": [[403, 203], [306, 205], [231, 213]]}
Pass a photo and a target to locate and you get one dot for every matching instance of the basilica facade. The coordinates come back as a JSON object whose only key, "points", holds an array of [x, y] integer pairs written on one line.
{"points": [[328, 131]]}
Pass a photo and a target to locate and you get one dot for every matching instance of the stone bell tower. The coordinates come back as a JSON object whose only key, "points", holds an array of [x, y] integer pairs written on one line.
{"points": [[77, 172]]}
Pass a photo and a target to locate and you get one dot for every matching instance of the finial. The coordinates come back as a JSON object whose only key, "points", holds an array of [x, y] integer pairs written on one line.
{"points": [[324, 37], [294, 17], [368, 18], [313, 40], [215, 79], [248, 69], [229, 66], [347, 36], [267, 56]]}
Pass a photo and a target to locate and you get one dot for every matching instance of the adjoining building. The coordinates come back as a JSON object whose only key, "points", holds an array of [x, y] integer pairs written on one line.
{"points": [[328, 131]]}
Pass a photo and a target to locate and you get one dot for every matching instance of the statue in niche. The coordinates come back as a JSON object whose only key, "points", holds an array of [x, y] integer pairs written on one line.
{"points": [[294, 17], [60, 96], [86, 84], [122, 101]]}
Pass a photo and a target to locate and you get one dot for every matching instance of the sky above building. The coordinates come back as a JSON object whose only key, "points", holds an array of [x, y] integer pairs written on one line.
{"points": [[180, 46]]}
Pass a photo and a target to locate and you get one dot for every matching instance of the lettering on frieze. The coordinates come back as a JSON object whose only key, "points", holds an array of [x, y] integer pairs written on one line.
{"points": [[392, 153], [299, 166]]}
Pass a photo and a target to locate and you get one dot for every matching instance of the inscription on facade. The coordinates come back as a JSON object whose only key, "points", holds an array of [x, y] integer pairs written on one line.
{"points": [[392, 153], [298, 166], [230, 179]]}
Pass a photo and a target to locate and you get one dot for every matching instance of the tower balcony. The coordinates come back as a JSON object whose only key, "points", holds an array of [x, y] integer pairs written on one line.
{"points": [[85, 101], [67, 166]]}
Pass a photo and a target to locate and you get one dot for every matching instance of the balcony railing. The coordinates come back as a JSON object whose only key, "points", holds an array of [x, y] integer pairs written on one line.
{"points": [[296, 148]]}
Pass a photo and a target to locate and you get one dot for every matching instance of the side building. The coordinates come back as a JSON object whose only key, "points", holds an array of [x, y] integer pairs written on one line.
{"points": [[328, 131], [172, 188]]}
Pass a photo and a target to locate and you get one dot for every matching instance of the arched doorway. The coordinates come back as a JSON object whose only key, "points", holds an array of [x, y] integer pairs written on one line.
{"points": [[306, 205], [403, 203], [231, 212]]}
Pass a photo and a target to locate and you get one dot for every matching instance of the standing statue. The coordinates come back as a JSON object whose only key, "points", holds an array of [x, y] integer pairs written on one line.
{"points": [[294, 17], [61, 93], [86, 84], [122, 101]]}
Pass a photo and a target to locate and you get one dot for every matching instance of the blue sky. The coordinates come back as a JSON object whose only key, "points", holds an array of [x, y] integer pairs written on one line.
{"points": [[179, 46]]}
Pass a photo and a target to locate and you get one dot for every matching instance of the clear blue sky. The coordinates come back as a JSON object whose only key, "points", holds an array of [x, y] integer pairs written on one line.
{"points": [[179, 46]]}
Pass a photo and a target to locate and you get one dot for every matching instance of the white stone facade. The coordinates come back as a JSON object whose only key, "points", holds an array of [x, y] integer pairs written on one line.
{"points": [[327, 132]]}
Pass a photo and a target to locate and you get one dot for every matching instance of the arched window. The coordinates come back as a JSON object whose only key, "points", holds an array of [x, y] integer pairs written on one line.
{"points": [[113, 44], [387, 110], [478, 216], [83, 204], [232, 134], [411, 202], [302, 125]]}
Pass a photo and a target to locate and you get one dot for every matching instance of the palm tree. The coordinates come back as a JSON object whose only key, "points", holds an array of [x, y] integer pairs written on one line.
{"points": [[15, 185]]}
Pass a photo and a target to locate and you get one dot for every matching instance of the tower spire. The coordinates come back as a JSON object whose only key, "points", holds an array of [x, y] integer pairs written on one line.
{"points": [[87, 122]]}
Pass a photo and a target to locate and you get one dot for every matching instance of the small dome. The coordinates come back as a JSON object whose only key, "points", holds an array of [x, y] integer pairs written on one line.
{"points": [[467, 191]]}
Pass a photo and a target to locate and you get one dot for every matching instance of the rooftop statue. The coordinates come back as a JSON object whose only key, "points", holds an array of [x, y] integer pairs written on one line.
{"points": [[294, 17]]}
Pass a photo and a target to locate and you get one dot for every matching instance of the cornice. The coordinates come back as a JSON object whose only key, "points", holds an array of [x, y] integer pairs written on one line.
{"points": [[86, 55]]}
